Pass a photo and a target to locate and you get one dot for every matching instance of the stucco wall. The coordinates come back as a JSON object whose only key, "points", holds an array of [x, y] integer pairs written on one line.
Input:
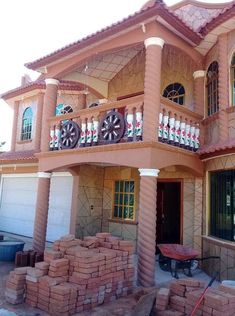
{"points": [[74, 100], [176, 67], [26, 145], [212, 132]]}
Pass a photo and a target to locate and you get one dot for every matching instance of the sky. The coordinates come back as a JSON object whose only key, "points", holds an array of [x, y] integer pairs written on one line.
{"points": [[30, 29]]}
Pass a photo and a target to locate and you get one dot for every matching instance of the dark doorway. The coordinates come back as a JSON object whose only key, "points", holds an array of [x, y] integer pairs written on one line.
{"points": [[168, 212]]}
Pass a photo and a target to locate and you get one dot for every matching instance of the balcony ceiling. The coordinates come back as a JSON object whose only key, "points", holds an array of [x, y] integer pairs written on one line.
{"points": [[105, 67]]}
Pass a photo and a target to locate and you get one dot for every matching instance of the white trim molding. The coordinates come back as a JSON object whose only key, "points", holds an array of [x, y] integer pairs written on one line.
{"points": [[149, 172], [44, 175], [19, 175], [199, 74], [154, 41], [52, 81]]}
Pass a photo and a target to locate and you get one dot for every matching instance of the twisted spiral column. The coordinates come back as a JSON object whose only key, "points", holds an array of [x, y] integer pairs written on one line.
{"points": [[50, 100], [199, 91], [42, 204], [223, 87], [147, 227], [152, 86]]}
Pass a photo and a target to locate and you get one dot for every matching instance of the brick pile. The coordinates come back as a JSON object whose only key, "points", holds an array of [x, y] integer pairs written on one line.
{"points": [[15, 286], [183, 295], [77, 275]]}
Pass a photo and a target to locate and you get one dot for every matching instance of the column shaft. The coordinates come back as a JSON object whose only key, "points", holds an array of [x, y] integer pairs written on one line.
{"points": [[147, 231], [40, 222], [50, 100], [152, 84], [15, 125]]}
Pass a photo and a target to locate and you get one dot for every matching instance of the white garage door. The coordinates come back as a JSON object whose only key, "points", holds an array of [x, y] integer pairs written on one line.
{"points": [[18, 203], [59, 205], [18, 200]]}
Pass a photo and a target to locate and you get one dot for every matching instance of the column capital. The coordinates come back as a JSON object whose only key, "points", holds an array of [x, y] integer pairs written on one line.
{"points": [[52, 81], [199, 74], [44, 175], [149, 172], [154, 41]]}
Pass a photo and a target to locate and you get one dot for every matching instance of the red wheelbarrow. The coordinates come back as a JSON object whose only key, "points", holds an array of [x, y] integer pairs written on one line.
{"points": [[174, 257]]}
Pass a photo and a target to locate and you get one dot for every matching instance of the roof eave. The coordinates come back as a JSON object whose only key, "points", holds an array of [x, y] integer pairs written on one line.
{"points": [[137, 18]]}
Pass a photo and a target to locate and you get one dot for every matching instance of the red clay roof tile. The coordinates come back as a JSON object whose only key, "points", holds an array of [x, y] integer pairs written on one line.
{"points": [[18, 155]]}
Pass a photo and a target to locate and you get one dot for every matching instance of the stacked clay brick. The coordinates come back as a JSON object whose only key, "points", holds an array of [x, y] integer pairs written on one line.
{"points": [[183, 295], [15, 286], [77, 275]]}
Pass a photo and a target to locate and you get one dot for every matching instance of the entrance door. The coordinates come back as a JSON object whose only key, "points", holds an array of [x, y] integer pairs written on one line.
{"points": [[168, 212]]}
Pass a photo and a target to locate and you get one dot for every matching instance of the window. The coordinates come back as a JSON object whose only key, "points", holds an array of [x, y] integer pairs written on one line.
{"points": [[124, 200], [222, 206], [63, 109], [233, 79], [175, 92], [212, 88], [26, 132]]}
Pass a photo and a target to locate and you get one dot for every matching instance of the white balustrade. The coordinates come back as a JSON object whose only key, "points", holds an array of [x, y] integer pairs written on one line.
{"points": [[177, 131]]}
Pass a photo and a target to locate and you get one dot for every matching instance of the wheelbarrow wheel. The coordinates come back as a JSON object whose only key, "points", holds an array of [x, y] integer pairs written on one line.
{"points": [[164, 263]]}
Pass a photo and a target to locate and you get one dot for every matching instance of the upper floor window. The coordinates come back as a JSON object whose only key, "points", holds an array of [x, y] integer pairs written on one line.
{"points": [[63, 109], [26, 131], [233, 78], [175, 92], [212, 88], [124, 200]]}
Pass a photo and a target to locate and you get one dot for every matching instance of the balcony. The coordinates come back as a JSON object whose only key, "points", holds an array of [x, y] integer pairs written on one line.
{"points": [[122, 122]]}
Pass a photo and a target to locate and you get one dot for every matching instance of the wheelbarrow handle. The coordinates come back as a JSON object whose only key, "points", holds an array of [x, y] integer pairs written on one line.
{"points": [[203, 294]]}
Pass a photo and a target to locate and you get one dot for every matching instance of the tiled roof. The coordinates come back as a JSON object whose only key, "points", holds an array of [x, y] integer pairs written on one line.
{"points": [[11, 156], [225, 14], [158, 8], [40, 84], [212, 148]]}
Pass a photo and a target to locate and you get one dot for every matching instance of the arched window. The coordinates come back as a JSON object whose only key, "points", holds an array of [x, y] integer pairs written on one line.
{"points": [[175, 92], [63, 109], [26, 131], [212, 88], [233, 78]]}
